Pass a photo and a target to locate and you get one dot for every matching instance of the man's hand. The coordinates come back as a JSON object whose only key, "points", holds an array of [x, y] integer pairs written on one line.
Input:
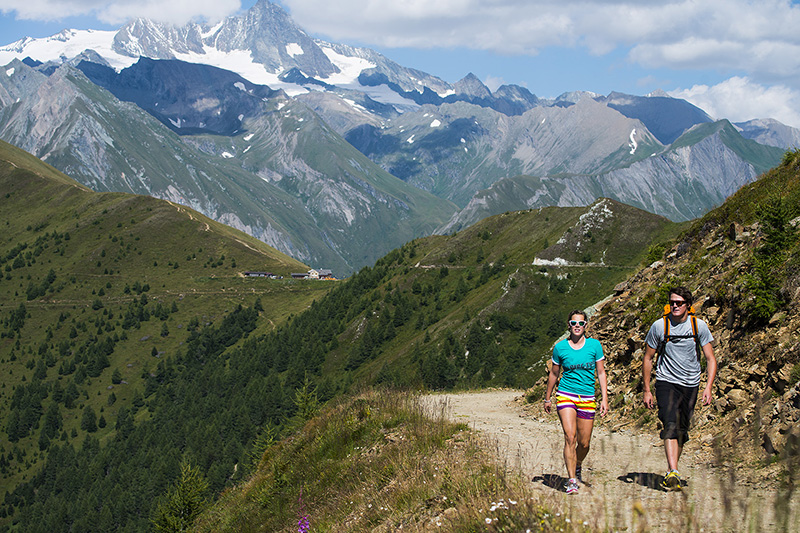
{"points": [[648, 399], [707, 396]]}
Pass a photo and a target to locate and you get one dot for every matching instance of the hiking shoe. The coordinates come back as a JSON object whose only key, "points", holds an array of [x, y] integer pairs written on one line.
{"points": [[671, 481], [572, 486], [578, 474]]}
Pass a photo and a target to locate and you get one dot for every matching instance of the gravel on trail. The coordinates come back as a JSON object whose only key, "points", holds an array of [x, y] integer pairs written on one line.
{"points": [[621, 473]]}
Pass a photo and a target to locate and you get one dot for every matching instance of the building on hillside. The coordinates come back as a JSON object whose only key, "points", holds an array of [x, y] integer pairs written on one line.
{"points": [[325, 273], [322, 273]]}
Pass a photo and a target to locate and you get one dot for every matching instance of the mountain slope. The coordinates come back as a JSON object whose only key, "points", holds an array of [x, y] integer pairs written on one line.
{"points": [[285, 178], [678, 183], [667, 118], [457, 149]]}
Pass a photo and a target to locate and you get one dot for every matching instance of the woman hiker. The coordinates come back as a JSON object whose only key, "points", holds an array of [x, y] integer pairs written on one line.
{"points": [[579, 357]]}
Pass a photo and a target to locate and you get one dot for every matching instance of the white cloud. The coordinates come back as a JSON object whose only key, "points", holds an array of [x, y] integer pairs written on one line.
{"points": [[493, 82], [119, 11], [739, 99], [737, 36]]}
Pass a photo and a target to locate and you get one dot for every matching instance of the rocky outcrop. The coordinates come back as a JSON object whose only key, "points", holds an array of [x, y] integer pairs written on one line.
{"points": [[756, 408]]}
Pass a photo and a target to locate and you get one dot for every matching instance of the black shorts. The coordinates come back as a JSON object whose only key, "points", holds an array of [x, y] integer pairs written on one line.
{"points": [[675, 408]]}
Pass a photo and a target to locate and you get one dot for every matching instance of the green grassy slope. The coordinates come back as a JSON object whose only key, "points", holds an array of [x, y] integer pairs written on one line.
{"points": [[479, 291], [97, 289]]}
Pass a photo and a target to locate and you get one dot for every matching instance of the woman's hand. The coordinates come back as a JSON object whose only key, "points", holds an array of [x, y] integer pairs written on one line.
{"points": [[603, 407], [548, 406]]}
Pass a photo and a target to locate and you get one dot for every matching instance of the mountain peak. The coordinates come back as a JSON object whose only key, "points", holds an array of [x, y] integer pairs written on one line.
{"points": [[471, 85]]}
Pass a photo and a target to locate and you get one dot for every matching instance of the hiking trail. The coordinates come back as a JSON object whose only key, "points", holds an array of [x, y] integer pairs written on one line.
{"points": [[621, 473]]}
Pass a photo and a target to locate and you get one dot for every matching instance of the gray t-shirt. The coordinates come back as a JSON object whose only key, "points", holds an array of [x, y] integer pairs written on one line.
{"points": [[679, 365]]}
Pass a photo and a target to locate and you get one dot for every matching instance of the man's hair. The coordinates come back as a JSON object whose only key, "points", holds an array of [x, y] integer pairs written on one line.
{"points": [[577, 312], [684, 293]]}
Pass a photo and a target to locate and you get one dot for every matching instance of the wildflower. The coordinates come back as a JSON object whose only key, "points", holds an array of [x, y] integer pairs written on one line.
{"points": [[488, 520], [303, 524]]}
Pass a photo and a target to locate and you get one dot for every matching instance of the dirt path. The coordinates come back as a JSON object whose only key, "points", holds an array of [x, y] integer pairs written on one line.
{"points": [[621, 473]]}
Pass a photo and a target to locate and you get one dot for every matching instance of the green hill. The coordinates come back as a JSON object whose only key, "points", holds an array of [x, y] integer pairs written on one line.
{"points": [[95, 291]]}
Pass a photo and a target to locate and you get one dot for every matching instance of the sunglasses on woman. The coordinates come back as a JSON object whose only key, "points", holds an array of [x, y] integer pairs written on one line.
{"points": [[577, 322]]}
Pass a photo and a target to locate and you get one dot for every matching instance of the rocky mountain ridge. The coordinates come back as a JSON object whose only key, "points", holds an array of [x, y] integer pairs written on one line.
{"points": [[286, 178]]}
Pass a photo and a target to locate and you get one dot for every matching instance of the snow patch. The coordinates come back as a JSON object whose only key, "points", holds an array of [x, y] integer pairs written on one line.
{"points": [[247, 149], [176, 122], [436, 123], [227, 155], [294, 49], [248, 136], [67, 44], [241, 117], [239, 85], [212, 30], [632, 142], [410, 140], [10, 72]]}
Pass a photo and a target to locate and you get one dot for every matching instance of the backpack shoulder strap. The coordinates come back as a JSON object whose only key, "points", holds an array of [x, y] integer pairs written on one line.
{"points": [[696, 336], [662, 346]]}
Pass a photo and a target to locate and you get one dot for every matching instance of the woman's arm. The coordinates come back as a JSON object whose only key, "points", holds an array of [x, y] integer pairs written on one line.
{"points": [[555, 370], [601, 377]]}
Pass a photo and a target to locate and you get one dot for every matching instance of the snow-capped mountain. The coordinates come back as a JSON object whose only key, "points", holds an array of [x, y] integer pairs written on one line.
{"points": [[297, 132], [284, 176]]}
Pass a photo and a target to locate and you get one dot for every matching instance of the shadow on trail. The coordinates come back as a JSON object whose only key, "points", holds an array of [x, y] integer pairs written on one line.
{"points": [[554, 481], [647, 479]]}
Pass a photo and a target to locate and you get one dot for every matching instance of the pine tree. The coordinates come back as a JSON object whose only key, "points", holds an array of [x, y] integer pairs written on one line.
{"points": [[183, 502], [305, 399], [89, 420]]}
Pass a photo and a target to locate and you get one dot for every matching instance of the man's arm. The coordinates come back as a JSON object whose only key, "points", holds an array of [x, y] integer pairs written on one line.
{"points": [[647, 368], [711, 368]]}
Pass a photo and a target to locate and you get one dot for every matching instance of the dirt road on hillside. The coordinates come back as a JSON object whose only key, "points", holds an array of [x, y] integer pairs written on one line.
{"points": [[621, 473]]}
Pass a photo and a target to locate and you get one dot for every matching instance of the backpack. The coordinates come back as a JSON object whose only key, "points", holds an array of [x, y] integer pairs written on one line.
{"points": [[668, 338]]}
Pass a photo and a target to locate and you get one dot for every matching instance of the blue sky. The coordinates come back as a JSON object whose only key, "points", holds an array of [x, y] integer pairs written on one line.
{"points": [[738, 59]]}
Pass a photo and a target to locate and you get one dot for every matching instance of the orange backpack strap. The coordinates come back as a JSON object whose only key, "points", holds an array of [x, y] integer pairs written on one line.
{"points": [[667, 337]]}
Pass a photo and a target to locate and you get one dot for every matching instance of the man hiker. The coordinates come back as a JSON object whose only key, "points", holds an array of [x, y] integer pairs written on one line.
{"points": [[679, 338]]}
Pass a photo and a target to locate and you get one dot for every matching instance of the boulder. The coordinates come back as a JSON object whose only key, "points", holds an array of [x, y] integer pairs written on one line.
{"points": [[738, 397]]}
